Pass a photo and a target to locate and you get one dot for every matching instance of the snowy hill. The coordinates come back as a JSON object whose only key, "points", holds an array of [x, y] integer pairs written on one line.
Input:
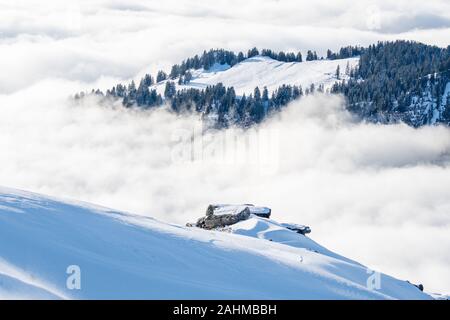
{"points": [[121, 255], [262, 71], [389, 82]]}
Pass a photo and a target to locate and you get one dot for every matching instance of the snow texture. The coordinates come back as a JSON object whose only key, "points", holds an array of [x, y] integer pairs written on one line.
{"points": [[261, 71], [125, 256]]}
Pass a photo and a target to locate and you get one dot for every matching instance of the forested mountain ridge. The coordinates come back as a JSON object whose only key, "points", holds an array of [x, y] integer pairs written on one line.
{"points": [[390, 82], [400, 81]]}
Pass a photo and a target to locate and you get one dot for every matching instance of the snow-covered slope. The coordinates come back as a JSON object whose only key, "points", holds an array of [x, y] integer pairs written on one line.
{"points": [[121, 255], [266, 72], [425, 109]]}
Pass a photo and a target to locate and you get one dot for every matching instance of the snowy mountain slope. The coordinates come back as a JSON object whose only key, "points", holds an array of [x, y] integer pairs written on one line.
{"points": [[263, 71], [425, 109], [121, 255], [270, 230], [15, 284]]}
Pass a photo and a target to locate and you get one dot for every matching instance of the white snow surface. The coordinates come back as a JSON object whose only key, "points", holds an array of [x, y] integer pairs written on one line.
{"points": [[261, 71], [235, 209], [125, 256]]}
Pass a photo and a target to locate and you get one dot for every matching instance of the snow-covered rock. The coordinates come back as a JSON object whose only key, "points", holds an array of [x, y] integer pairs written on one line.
{"points": [[121, 255], [219, 209], [223, 218], [222, 215], [299, 228]]}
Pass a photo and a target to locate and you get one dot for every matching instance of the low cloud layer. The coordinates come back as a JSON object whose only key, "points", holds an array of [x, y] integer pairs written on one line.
{"points": [[378, 194]]}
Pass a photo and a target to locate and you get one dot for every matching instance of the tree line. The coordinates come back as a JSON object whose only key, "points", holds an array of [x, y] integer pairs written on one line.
{"points": [[395, 80], [218, 103], [220, 56]]}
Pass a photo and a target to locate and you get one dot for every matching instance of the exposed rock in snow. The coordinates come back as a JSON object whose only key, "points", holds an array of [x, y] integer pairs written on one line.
{"points": [[222, 215], [212, 221], [297, 228]]}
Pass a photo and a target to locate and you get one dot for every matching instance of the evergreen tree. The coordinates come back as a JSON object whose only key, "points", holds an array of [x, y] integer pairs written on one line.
{"points": [[131, 92], [240, 57], [142, 94], [187, 77], [310, 56], [265, 94], [148, 80], [446, 113], [252, 53], [175, 72], [170, 90], [329, 55], [161, 76]]}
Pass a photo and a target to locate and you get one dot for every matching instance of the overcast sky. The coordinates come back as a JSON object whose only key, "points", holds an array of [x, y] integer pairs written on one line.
{"points": [[88, 40], [378, 194]]}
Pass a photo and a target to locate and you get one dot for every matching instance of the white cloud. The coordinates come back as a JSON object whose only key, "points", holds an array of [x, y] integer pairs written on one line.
{"points": [[378, 194], [90, 39], [368, 191]]}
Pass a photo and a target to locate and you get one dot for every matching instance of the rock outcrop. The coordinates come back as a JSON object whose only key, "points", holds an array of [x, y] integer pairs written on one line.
{"points": [[223, 215], [212, 220], [297, 228]]}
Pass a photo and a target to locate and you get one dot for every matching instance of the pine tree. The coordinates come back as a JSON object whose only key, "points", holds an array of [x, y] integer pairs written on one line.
{"points": [[187, 77], [170, 90], [265, 94], [257, 110], [309, 55], [329, 54], [175, 72], [148, 80], [131, 92], [252, 53], [161, 76], [240, 57], [257, 94], [446, 113], [142, 93], [315, 56]]}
